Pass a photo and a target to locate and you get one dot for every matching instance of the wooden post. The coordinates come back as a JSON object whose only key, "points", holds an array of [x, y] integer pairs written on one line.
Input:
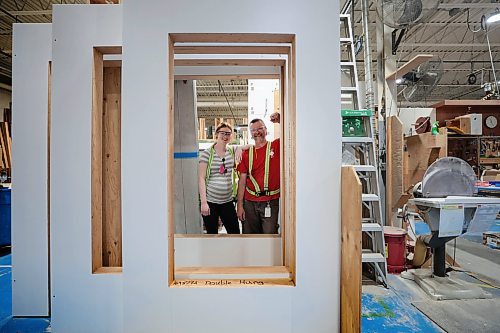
{"points": [[394, 188], [111, 168], [96, 175], [202, 132], [350, 278]]}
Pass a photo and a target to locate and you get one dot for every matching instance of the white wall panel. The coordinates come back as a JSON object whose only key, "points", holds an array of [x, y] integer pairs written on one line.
{"points": [[32, 51], [149, 304], [82, 302], [230, 251]]}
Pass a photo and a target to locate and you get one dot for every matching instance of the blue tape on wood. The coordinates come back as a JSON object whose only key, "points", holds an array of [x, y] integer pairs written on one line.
{"points": [[182, 155]]}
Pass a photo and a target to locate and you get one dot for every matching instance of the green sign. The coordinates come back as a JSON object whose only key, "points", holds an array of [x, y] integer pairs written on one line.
{"points": [[356, 113]]}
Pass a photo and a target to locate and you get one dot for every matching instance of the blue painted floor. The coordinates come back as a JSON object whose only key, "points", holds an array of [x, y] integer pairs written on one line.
{"points": [[7, 323], [390, 310]]}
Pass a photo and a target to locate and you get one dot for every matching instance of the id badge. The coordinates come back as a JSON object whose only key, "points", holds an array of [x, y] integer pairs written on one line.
{"points": [[267, 211]]}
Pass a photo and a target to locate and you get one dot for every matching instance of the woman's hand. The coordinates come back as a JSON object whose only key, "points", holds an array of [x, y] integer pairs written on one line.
{"points": [[205, 209]]}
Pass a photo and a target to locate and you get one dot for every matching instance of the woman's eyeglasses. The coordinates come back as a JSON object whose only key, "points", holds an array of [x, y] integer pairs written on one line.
{"points": [[222, 169], [223, 133]]}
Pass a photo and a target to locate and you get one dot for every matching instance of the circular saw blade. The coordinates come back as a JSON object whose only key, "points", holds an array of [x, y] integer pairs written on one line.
{"points": [[449, 176]]}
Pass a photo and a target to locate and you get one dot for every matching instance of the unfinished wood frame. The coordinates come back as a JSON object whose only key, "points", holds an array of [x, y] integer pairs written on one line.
{"points": [[350, 276], [394, 185], [288, 184], [106, 162]]}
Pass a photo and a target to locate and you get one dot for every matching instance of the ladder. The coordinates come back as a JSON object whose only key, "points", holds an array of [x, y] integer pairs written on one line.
{"points": [[359, 151]]}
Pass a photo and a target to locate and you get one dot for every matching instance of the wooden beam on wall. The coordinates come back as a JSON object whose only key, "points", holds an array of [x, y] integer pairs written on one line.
{"points": [[410, 65], [350, 277]]}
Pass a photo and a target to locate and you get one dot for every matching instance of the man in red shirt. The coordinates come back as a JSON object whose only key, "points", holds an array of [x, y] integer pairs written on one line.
{"points": [[259, 184]]}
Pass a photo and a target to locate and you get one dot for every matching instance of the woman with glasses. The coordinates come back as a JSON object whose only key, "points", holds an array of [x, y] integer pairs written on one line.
{"points": [[215, 182]]}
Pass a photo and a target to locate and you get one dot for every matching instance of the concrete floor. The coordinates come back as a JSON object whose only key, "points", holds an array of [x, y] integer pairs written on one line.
{"points": [[383, 310]]}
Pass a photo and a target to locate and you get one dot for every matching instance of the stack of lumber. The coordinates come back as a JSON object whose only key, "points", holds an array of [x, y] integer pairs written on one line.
{"points": [[5, 147]]}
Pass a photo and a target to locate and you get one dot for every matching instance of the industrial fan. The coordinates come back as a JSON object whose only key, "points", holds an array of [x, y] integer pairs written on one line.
{"points": [[399, 14], [421, 81]]}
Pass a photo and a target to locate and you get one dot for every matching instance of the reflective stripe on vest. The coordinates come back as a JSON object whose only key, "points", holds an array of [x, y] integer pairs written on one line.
{"points": [[233, 172], [266, 191]]}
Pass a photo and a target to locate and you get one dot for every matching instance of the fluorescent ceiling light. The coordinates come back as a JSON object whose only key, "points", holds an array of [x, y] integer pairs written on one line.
{"points": [[495, 17]]}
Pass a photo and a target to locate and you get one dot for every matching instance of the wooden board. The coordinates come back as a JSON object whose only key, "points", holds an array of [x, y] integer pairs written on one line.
{"points": [[410, 65], [229, 62], [350, 276], [96, 174], [231, 38], [3, 143], [111, 168], [231, 49], [394, 165], [421, 151]]}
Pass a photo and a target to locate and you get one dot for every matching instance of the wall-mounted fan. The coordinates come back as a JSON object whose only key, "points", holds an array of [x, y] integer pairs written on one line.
{"points": [[399, 14], [421, 81]]}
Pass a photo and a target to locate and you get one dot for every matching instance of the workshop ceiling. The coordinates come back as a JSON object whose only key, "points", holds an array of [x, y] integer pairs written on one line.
{"points": [[446, 34]]}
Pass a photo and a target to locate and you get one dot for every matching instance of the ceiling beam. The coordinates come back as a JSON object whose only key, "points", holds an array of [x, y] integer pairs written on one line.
{"points": [[448, 45], [12, 13], [477, 5]]}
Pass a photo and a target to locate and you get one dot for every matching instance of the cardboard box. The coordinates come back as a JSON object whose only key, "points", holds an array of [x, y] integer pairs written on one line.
{"points": [[472, 123], [490, 175]]}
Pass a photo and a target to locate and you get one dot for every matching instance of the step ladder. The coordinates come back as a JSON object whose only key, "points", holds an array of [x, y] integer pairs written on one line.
{"points": [[359, 151]]}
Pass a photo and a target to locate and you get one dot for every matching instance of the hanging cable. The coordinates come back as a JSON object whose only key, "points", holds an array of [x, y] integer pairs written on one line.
{"points": [[468, 23], [227, 100], [492, 64]]}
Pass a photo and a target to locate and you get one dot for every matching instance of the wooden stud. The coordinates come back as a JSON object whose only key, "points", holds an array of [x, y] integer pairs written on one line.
{"points": [[231, 49], [96, 174], [394, 165], [227, 77], [109, 270], [112, 63], [231, 38], [4, 148], [109, 49], [284, 95], [350, 276], [289, 119], [229, 62], [111, 168], [170, 161], [231, 283], [8, 140], [49, 124], [227, 236]]}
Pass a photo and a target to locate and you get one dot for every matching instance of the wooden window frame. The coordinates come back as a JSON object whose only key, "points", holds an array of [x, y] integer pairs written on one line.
{"points": [[228, 44]]}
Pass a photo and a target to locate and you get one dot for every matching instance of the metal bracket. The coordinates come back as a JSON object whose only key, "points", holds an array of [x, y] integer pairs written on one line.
{"points": [[397, 41]]}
